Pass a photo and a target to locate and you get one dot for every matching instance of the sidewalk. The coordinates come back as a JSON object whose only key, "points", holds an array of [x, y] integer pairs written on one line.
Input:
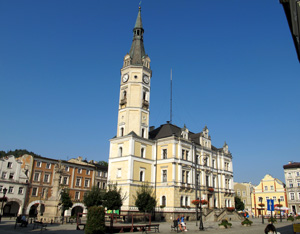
{"points": [[7, 227]]}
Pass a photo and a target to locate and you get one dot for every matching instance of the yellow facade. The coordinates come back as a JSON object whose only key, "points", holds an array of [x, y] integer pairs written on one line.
{"points": [[268, 188]]}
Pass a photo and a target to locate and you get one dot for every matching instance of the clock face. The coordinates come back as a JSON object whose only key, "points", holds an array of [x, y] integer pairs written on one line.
{"points": [[146, 79], [125, 78]]}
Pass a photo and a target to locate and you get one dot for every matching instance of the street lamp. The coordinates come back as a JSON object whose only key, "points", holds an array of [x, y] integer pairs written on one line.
{"points": [[4, 192], [262, 214], [280, 210]]}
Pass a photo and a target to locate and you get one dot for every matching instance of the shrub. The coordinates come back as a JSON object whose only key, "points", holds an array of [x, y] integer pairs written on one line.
{"points": [[272, 220], [290, 218], [225, 223], [95, 223], [246, 222], [298, 217]]}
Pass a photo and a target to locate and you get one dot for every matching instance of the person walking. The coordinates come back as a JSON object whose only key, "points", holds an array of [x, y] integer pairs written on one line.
{"points": [[183, 224], [179, 223]]}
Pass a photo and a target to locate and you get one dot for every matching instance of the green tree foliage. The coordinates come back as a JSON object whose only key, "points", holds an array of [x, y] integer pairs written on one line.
{"points": [[239, 205], [103, 163], [17, 153], [145, 200], [95, 223], [65, 200], [113, 199], [94, 197]]}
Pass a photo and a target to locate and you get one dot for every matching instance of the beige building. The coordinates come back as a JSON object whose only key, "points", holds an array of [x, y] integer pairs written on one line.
{"points": [[244, 192], [179, 164], [268, 188], [292, 180]]}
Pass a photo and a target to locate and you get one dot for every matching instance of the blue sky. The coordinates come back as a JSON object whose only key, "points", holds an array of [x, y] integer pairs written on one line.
{"points": [[234, 65]]}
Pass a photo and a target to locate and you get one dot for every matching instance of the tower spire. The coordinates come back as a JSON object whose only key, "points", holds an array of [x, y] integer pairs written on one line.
{"points": [[137, 50]]}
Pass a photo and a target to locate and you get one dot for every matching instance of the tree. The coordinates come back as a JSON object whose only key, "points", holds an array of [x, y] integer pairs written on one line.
{"points": [[239, 205], [113, 199], [145, 200], [95, 223], [17, 153], [103, 163], [94, 197], [65, 200]]}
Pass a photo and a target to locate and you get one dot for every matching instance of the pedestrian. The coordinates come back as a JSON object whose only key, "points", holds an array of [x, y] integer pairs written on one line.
{"points": [[270, 228], [183, 224], [179, 223]]}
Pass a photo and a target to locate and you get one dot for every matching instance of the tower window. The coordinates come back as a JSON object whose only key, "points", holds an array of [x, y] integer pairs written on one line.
{"points": [[142, 152], [164, 176], [163, 201], [120, 151], [142, 174], [122, 131], [143, 132], [164, 154]]}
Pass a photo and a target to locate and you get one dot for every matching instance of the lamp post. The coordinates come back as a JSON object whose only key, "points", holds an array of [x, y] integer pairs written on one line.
{"points": [[262, 214], [280, 210], [4, 192]]}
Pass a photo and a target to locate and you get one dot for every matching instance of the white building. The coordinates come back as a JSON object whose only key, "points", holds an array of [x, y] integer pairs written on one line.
{"points": [[15, 180], [292, 180]]}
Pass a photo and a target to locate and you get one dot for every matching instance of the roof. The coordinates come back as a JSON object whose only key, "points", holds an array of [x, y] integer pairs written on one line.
{"points": [[292, 165], [168, 129], [137, 50]]}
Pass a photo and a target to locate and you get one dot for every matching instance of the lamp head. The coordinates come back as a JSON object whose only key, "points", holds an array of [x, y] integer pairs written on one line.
{"points": [[4, 191]]}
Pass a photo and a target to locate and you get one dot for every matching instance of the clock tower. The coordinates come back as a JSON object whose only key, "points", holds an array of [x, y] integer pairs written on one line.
{"points": [[135, 87]]}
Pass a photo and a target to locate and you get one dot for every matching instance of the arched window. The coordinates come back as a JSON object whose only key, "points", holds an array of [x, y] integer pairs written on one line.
{"points": [[186, 201], [122, 131], [142, 153], [120, 151], [141, 175], [124, 94], [163, 201], [181, 201]]}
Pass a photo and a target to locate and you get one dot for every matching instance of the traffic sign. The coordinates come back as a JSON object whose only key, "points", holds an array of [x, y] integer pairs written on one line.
{"points": [[270, 203]]}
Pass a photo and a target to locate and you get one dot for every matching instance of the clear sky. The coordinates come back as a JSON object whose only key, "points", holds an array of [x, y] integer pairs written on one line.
{"points": [[234, 66]]}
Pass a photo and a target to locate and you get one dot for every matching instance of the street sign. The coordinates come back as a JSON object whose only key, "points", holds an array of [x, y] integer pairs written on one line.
{"points": [[270, 203]]}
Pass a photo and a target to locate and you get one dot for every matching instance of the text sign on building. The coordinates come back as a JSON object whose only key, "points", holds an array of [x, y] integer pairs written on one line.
{"points": [[270, 203]]}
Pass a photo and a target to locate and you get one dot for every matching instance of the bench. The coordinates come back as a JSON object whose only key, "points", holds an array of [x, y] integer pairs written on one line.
{"points": [[22, 222], [151, 227], [37, 224], [81, 222]]}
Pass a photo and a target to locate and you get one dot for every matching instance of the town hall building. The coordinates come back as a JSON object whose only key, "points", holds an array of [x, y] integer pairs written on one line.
{"points": [[178, 164]]}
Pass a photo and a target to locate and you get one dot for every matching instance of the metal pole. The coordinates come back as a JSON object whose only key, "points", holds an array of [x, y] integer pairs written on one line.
{"points": [[201, 228], [196, 182], [280, 211], [262, 214]]}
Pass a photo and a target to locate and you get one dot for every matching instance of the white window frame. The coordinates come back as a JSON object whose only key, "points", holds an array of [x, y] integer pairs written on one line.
{"points": [[163, 154], [9, 165], [79, 170], [78, 179], [48, 165], [34, 176], [143, 151], [292, 196], [162, 175], [67, 168], [38, 164], [87, 183], [10, 189], [88, 172], [21, 190], [48, 179], [4, 175], [77, 195], [36, 191], [119, 172]]}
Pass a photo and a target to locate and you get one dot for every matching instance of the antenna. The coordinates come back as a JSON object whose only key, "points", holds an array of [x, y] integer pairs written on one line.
{"points": [[171, 99]]}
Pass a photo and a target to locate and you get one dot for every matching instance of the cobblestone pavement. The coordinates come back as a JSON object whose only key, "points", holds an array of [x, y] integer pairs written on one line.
{"points": [[7, 227]]}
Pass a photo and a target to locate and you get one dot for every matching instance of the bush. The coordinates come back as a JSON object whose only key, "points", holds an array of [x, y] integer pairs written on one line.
{"points": [[225, 223], [290, 218], [298, 217], [246, 222], [272, 220], [95, 223]]}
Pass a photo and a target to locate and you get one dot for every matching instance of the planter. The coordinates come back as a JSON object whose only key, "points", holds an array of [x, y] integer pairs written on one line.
{"points": [[246, 225]]}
